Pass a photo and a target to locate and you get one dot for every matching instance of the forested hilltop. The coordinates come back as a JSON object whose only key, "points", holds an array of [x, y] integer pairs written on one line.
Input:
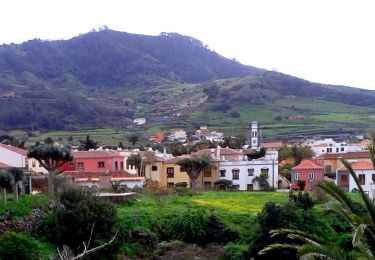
{"points": [[106, 78]]}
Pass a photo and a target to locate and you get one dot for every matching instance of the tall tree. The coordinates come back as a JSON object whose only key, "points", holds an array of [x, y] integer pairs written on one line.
{"points": [[262, 181], [17, 175], [136, 161], [194, 166], [51, 157], [88, 144], [6, 181], [133, 139]]}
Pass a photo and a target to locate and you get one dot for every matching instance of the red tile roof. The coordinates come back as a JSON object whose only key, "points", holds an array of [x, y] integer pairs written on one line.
{"points": [[349, 155], [277, 144], [307, 165], [96, 154], [118, 175], [14, 149], [223, 151], [361, 165]]}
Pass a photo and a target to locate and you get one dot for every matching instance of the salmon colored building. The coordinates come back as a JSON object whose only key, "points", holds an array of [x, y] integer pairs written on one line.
{"points": [[97, 161], [309, 171]]}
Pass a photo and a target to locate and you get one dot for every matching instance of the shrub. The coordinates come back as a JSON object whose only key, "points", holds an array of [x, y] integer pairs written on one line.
{"points": [[198, 226], [19, 246], [76, 213], [226, 184], [234, 251], [235, 114]]}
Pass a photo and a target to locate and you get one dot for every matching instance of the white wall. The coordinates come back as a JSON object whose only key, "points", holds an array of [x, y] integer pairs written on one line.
{"points": [[12, 158]]}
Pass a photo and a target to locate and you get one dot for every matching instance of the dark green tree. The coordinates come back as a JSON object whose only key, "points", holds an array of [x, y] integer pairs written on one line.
{"points": [[262, 181], [51, 157], [133, 139], [87, 144], [136, 161], [193, 166], [6, 181], [17, 175]]}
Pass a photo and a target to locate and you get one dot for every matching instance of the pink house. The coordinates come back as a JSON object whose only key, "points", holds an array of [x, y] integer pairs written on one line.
{"points": [[308, 171], [98, 161]]}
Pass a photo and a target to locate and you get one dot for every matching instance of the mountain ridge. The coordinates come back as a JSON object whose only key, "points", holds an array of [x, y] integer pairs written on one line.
{"points": [[125, 75]]}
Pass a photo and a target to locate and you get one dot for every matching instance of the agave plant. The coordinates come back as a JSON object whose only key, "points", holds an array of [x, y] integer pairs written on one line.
{"points": [[360, 216]]}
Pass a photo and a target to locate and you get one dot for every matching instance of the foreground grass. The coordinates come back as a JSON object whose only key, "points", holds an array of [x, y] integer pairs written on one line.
{"points": [[24, 207], [237, 209]]}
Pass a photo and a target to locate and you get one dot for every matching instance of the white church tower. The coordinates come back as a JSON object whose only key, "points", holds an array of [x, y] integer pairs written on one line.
{"points": [[255, 135]]}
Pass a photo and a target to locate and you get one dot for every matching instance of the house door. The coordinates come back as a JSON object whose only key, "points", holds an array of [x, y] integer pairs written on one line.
{"points": [[250, 187]]}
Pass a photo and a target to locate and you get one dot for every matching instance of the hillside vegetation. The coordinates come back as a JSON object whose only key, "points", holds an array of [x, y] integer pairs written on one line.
{"points": [[106, 78]]}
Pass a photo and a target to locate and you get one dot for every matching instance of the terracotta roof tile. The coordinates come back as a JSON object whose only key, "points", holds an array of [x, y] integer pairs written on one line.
{"points": [[361, 165], [118, 175], [306, 165], [349, 155], [14, 149], [95, 154], [272, 144]]}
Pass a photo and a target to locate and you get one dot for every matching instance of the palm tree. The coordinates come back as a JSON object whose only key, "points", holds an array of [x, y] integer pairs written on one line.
{"points": [[17, 175], [262, 180], [6, 181], [194, 166]]}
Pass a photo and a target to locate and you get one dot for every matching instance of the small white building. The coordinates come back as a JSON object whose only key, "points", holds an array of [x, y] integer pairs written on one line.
{"points": [[179, 135], [13, 156], [139, 121], [328, 145], [365, 173]]}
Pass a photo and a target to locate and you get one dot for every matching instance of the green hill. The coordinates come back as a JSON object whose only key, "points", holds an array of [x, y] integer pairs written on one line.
{"points": [[106, 78]]}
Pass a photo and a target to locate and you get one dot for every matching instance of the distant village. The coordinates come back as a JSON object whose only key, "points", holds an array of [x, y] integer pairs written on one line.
{"points": [[230, 168]]}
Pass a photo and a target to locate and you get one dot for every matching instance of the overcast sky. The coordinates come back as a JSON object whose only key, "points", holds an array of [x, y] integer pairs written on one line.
{"points": [[326, 41]]}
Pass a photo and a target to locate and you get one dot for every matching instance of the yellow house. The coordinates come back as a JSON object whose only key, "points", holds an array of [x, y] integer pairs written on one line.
{"points": [[169, 174]]}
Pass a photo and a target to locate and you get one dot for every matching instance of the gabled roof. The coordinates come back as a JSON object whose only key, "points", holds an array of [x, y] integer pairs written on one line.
{"points": [[349, 155], [14, 149], [307, 165], [95, 154], [361, 165]]}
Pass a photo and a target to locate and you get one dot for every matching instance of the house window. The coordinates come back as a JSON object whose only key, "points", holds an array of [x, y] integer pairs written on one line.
{"points": [[311, 175], [235, 174], [116, 166], [127, 165], [170, 184], [373, 178], [337, 150], [207, 172], [342, 149], [250, 172], [122, 165], [182, 169], [170, 172], [207, 184], [33, 163], [264, 171], [361, 178], [154, 168], [296, 176], [100, 164], [344, 180], [80, 166], [222, 172], [235, 187]]}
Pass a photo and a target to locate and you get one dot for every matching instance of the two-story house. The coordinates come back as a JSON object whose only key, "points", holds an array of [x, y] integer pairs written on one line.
{"points": [[309, 171]]}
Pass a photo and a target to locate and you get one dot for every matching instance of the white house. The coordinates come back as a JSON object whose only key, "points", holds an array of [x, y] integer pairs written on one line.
{"points": [[139, 121], [13, 156], [365, 173], [328, 145], [179, 135], [243, 172]]}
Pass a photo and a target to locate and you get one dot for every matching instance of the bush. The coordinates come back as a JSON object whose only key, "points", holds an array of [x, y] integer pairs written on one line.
{"points": [[234, 251], [235, 114], [19, 246], [226, 184], [198, 226], [76, 213]]}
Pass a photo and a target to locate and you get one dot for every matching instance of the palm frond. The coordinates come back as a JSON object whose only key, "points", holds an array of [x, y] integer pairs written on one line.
{"points": [[312, 251], [297, 235], [277, 246], [340, 195], [369, 205]]}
